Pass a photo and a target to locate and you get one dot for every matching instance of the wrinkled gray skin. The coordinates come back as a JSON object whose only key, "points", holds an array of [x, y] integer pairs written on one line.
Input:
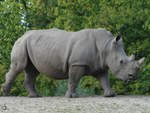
{"points": [[59, 54]]}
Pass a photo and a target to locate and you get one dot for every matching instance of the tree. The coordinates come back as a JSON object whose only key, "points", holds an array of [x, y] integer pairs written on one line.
{"points": [[129, 18]]}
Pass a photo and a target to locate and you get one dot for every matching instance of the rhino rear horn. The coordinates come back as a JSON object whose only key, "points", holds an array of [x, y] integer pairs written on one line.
{"points": [[132, 57], [141, 61]]}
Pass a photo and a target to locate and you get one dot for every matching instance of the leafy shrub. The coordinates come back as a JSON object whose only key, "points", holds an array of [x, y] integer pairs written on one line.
{"points": [[88, 86], [46, 86]]}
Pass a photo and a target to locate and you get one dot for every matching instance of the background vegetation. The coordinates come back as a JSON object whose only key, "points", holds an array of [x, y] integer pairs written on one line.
{"points": [[129, 17]]}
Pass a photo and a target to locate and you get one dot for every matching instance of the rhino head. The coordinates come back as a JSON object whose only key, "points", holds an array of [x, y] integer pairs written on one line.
{"points": [[122, 66]]}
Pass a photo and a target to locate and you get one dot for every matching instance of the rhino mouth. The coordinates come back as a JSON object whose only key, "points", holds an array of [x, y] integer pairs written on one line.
{"points": [[129, 80]]}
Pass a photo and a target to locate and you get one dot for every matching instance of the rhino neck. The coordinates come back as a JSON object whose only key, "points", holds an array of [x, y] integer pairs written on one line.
{"points": [[103, 54], [103, 40]]}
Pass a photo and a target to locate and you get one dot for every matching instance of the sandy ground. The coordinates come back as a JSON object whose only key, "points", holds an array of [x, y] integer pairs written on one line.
{"points": [[98, 104]]}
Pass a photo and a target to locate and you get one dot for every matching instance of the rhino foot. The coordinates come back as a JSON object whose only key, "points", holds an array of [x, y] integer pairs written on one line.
{"points": [[5, 89], [109, 93], [34, 95], [71, 95]]}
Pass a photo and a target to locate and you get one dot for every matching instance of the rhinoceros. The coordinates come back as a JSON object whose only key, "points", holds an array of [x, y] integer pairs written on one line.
{"points": [[70, 55]]}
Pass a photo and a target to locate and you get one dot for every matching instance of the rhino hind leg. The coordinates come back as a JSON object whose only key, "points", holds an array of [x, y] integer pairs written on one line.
{"points": [[75, 73], [30, 78], [15, 69]]}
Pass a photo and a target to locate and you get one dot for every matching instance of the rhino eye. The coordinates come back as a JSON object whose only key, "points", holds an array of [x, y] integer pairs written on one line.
{"points": [[121, 61]]}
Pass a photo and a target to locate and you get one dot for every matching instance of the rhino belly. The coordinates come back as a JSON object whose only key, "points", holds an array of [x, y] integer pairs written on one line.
{"points": [[50, 70], [54, 73]]}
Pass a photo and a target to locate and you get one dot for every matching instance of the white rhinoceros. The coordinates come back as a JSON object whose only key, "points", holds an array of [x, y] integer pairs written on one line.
{"points": [[60, 54]]}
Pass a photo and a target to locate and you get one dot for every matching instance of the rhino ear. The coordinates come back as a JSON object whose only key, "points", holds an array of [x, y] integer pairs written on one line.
{"points": [[118, 37], [141, 61]]}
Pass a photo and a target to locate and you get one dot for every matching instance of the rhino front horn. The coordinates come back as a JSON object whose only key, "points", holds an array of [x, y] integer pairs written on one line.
{"points": [[141, 61]]}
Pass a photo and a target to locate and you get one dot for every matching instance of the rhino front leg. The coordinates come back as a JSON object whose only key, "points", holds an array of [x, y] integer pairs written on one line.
{"points": [[75, 73], [104, 81]]}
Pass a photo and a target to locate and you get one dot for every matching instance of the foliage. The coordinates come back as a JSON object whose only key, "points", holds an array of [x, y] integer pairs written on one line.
{"points": [[128, 17], [86, 87]]}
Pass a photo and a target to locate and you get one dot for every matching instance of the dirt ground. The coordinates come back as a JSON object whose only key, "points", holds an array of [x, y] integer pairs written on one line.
{"points": [[98, 104]]}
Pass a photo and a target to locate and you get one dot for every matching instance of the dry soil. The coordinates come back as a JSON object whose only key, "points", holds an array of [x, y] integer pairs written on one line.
{"points": [[98, 104]]}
